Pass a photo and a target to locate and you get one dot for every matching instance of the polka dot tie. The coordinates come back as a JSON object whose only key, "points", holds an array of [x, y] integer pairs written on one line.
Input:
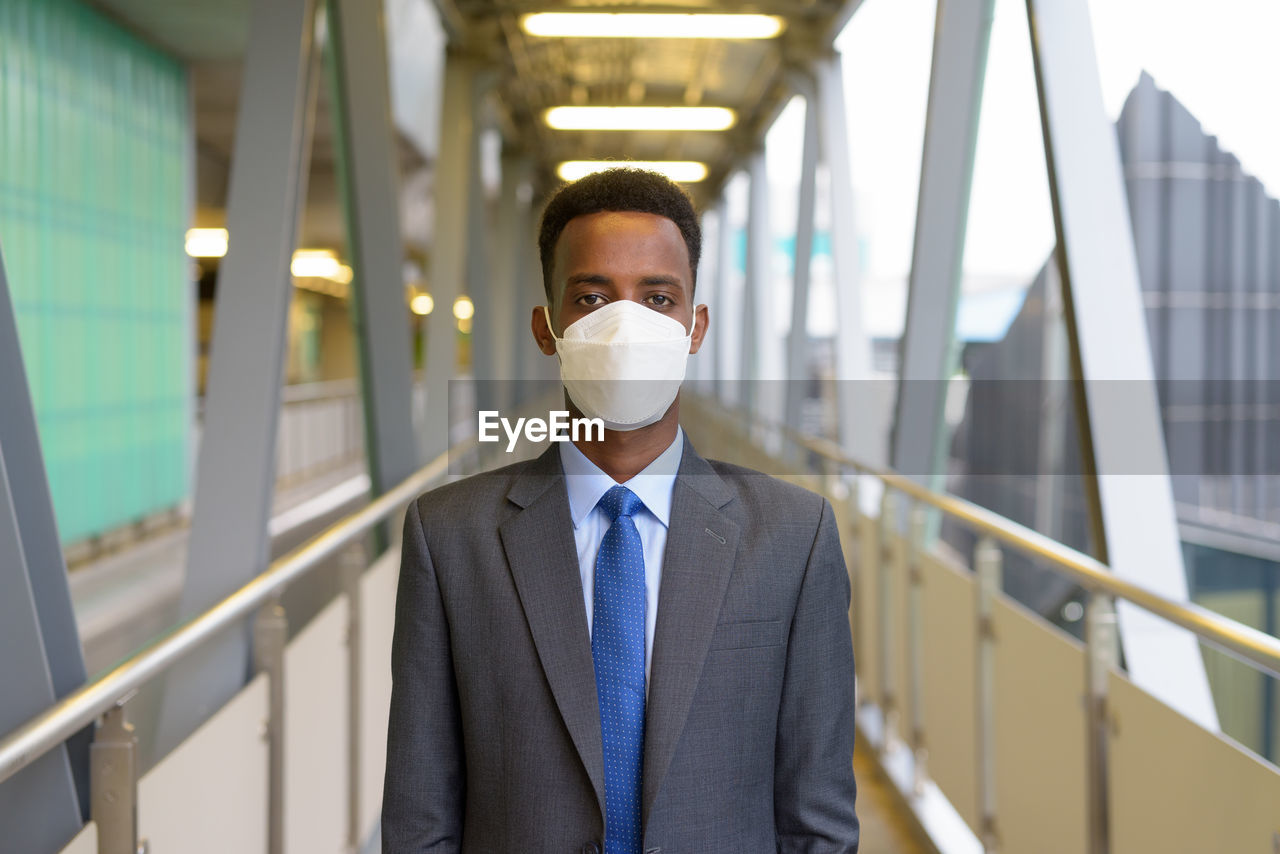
{"points": [[617, 647]]}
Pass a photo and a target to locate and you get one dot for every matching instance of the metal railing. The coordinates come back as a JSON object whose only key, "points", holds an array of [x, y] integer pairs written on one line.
{"points": [[113, 763], [995, 534]]}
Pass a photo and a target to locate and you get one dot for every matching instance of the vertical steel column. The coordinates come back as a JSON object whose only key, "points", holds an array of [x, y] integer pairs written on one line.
{"points": [[988, 568], [41, 559], [1100, 649], [39, 807], [722, 341], [114, 781], [510, 323], [452, 176], [1134, 525], [270, 636], [928, 353], [369, 178], [236, 473], [857, 584], [479, 284], [757, 320], [798, 339], [915, 642], [353, 565], [889, 566], [854, 397]]}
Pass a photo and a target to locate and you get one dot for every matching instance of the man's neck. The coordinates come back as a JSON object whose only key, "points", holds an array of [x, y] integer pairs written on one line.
{"points": [[623, 454]]}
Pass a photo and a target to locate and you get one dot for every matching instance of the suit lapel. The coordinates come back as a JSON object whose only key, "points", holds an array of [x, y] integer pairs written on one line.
{"points": [[699, 557], [543, 557]]}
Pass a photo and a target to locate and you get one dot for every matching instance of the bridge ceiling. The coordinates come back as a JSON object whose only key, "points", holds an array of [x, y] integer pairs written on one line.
{"points": [[538, 73]]}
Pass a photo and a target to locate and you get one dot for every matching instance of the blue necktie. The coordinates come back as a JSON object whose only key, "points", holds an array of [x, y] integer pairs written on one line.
{"points": [[617, 648]]}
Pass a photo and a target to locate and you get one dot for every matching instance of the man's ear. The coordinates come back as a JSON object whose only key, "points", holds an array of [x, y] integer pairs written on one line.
{"points": [[541, 334], [701, 319]]}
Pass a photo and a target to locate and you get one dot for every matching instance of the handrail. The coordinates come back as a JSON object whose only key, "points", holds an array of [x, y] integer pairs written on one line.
{"points": [[1254, 647], [69, 715]]}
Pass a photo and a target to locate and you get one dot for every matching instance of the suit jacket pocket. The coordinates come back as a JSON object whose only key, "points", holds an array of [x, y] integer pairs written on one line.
{"points": [[746, 635]]}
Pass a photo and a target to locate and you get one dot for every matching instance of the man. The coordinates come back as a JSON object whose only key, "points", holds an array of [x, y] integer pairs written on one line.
{"points": [[619, 646]]}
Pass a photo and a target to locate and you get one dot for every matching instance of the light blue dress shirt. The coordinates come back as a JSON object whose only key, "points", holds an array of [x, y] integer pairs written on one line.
{"points": [[586, 484]]}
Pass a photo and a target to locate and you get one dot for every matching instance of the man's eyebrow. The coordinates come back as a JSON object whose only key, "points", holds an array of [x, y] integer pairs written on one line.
{"points": [[588, 279], [660, 279]]}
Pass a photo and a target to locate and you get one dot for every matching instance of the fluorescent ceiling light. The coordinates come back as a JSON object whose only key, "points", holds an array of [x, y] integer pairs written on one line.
{"points": [[640, 118], [651, 25], [206, 242], [685, 171], [319, 263]]}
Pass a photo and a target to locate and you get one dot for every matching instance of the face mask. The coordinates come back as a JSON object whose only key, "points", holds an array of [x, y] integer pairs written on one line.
{"points": [[623, 363]]}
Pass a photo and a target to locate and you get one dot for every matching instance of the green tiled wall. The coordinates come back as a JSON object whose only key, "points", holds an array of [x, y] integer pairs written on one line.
{"points": [[94, 165]]}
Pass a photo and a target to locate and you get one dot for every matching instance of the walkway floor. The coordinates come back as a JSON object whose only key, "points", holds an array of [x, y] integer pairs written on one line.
{"points": [[886, 829]]}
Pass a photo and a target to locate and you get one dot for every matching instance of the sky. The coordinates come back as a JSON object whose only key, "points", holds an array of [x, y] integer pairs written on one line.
{"points": [[1219, 59]]}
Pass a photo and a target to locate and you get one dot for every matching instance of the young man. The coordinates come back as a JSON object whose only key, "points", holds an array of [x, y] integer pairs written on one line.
{"points": [[620, 646]]}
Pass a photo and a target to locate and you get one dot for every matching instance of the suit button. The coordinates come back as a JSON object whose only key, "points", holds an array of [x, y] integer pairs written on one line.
{"points": [[590, 848]]}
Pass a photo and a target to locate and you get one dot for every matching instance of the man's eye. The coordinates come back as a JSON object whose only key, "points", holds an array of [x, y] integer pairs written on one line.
{"points": [[590, 299], [661, 299]]}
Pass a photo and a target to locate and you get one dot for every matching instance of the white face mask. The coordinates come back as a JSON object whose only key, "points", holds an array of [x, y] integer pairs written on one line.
{"points": [[623, 363]]}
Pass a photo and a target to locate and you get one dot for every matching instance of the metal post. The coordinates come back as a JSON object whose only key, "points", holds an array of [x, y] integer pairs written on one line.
{"points": [[720, 338], [869, 552], [960, 43], [915, 642], [113, 781], [352, 576], [889, 557], [270, 635], [855, 579], [1133, 521], [757, 320], [853, 351], [369, 183], [1100, 647], [449, 243], [798, 340], [236, 473], [988, 562]]}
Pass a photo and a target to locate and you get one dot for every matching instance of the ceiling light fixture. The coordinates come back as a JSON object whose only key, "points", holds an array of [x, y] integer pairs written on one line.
{"points": [[463, 308], [320, 263], [422, 305], [684, 171], [206, 242], [651, 25], [640, 118]]}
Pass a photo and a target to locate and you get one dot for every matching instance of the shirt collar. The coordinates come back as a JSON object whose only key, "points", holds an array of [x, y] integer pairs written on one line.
{"points": [[586, 483]]}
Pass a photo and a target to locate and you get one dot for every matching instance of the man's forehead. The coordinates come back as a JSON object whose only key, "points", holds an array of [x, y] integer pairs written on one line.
{"points": [[658, 237]]}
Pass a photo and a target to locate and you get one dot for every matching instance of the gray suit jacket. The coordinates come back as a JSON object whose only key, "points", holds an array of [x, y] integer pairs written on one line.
{"points": [[494, 739]]}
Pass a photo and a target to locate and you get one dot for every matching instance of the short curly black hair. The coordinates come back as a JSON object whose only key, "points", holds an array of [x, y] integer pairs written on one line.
{"points": [[620, 189]]}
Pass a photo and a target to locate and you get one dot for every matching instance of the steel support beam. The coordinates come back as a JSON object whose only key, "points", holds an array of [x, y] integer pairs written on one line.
{"points": [[503, 313], [722, 341], [480, 287], [928, 349], [449, 242], [702, 366], [798, 339], [235, 475], [854, 395], [759, 357], [1134, 524], [368, 161], [43, 806]]}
